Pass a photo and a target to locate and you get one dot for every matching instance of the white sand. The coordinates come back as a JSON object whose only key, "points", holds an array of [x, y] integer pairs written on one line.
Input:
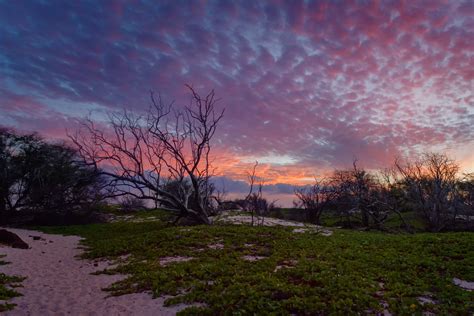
{"points": [[170, 260], [271, 221], [59, 283], [253, 258], [466, 285], [247, 219], [216, 246]]}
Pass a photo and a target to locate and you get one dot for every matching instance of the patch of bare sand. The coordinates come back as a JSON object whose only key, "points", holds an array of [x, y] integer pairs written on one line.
{"points": [[253, 258], [59, 283], [270, 221], [170, 260], [466, 285]]}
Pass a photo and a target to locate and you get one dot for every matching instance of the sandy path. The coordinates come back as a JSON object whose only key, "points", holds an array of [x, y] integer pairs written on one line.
{"points": [[58, 283]]}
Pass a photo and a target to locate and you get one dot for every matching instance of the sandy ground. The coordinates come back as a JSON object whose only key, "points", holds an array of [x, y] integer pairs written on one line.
{"points": [[270, 221], [59, 283]]}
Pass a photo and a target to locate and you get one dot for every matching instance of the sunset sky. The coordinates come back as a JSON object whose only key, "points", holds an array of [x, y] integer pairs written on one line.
{"points": [[307, 85]]}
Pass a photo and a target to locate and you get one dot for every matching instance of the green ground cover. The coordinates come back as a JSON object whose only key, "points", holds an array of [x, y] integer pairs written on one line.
{"points": [[7, 283], [349, 272]]}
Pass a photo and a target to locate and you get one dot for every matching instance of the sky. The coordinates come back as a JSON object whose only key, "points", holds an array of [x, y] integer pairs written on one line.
{"points": [[307, 85]]}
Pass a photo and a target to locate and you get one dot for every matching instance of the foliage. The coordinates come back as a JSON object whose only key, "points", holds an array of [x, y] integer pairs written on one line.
{"points": [[62, 183], [6, 291], [18, 160], [340, 274], [39, 176]]}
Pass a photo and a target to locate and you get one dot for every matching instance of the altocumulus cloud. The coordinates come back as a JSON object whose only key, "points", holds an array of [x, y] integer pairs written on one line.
{"points": [[307, 86]]}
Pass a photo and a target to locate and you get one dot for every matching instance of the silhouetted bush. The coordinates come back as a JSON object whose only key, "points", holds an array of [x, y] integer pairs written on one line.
{"points": [[132, 204], [39, 177]]}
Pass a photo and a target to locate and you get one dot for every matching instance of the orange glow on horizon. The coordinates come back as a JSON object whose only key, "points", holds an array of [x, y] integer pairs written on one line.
{"points": [[237, 168]]}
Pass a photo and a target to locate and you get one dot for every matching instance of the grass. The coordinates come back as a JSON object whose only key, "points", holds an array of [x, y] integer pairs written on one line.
{"points": [[6, 292], [340, 274]]}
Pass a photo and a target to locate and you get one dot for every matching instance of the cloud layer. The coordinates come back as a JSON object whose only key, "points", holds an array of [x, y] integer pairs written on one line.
{"points": [[307, 86]]}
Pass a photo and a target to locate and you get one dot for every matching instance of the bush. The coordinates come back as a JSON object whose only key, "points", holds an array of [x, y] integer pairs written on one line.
{"points": [[132, 204], [39, 177]]}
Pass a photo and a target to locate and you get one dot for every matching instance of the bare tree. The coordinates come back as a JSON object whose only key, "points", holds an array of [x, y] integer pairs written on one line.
{"points": [[392, 195], [356, 194], [316, 198], [431, 184], [220, 197], [254, 202], [140, 154], [466, 185], [466, 196]]}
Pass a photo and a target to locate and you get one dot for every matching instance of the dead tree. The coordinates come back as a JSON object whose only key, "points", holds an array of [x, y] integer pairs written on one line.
{"points": [[220, 198], [466, 186], [140, 154], [314, 199], [254, 202], [358, 195], [391, 195], [432, 185]]}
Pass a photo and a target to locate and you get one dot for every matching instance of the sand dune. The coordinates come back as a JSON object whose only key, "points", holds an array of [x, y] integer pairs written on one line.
{"points": [[59, 283]]}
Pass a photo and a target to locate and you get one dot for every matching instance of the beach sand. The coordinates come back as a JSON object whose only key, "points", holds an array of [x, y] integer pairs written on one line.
{"points": [[59, 283]]}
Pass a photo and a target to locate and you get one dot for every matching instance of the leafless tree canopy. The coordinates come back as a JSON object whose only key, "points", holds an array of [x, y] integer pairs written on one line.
{"points": [[140, 154], [432, 185], [254, 202], [314, 199], [359, 195], [429, 187]]}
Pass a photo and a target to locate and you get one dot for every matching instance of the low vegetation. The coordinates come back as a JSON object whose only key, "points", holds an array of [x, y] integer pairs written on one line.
{"points": [[273, 269], [7, 285]]}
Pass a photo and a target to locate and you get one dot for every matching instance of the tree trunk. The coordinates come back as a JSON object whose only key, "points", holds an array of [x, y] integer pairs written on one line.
{"points": [[3, 211]]}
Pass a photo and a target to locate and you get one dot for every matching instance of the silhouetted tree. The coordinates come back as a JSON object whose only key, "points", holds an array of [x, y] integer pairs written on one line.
{"points": [[141, 152], [62, 183], [466, 187], [356, 194], [432, 185], [18, 161], [38, 176], [254, 202], [316, 198]]}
